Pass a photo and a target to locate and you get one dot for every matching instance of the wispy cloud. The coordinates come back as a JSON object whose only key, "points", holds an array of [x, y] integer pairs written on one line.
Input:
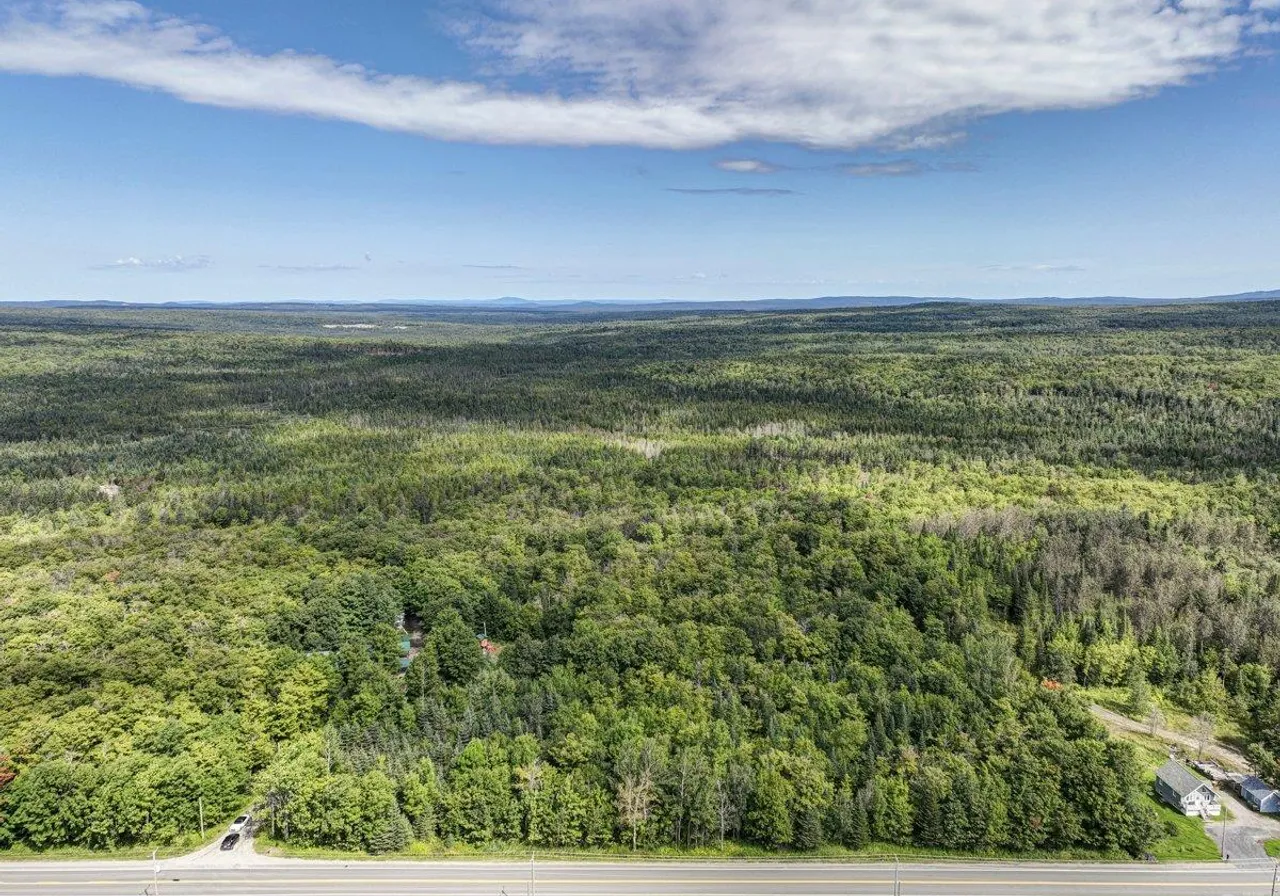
{"points": [[1035, 268], [898, 168], [174, 264], [919, 142], [891, 168], [747, 166], [494, 267], [678, 74], [311, 268], [906, 168], [731, 191]]}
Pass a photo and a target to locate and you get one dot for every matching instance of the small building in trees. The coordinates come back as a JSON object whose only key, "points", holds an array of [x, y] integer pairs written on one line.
{"points": [[1177, 786], [1260, 796]]}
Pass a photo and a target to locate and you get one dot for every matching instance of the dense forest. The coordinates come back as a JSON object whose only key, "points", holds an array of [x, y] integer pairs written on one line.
{"points": [[633, 582]]}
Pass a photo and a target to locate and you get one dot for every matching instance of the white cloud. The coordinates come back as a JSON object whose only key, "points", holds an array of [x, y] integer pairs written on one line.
{"points": [[679, 73], [175, 264], [747, 166]]}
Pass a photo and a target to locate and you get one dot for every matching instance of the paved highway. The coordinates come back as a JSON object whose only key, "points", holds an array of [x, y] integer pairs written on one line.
{"points": [[296, 878]]}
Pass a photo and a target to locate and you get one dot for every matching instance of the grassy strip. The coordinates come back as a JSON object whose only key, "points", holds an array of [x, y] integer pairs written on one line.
{"points": [[1185, 839], [183, 846]]}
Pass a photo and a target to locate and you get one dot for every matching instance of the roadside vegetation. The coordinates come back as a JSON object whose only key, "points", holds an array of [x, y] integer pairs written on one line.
{"points": [[438, 850], [839, 581]]}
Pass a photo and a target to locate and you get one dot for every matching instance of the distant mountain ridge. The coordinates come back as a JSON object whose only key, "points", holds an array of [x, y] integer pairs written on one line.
{"points": [[518, 304]]}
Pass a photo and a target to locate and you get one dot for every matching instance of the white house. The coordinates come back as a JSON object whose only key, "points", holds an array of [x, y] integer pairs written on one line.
{"points": [[1190, 795]]}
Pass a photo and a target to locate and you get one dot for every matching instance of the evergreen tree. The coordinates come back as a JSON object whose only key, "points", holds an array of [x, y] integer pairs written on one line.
{"points": [[769, 820], [1138, 699]]}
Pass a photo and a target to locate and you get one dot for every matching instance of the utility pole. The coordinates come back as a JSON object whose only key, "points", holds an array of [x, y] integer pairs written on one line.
{"points": [[1224, 833], [201, 818], [1275, 876], [155, 873], [897, 883], [533, 879]]}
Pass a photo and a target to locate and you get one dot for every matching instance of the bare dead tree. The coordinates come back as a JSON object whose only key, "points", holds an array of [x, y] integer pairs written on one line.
{"points": [[1203, 726], [724, 806], [1155, 720], [637, 786]]}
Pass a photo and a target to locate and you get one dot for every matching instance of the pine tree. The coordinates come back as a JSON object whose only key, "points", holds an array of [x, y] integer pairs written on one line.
{"points": [[808, 827], [1138, 701], [857, 833], [927, 808], [390, 833]]}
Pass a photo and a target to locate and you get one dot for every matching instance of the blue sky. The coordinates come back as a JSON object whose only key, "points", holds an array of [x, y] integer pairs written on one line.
{"points": [[335, 149]]}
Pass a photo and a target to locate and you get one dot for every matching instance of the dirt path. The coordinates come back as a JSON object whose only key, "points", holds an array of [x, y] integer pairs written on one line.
{"points": [[1215, 750]]}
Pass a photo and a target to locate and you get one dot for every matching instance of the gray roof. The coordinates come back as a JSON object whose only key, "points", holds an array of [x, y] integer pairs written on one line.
{"points": [[1256, 786], [1178, 779]]}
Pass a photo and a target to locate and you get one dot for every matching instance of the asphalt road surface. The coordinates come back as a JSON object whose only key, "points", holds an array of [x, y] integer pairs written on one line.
{"points": [[293, 878]]}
